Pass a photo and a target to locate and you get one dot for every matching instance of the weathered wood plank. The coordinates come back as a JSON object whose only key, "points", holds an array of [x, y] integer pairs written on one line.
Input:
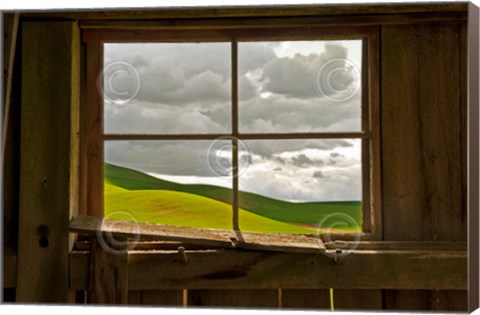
{"points": [[236, 269], [11, 133], [426, 300], [198, 34], [254, 11], [135, 297], [163, 297], [227, 239], [398, 245], [233, 298], [306, 299], [425, 186], [354, 300], [108, 273], [473, 155], [92, 130], [49, 78], [10, 40]]}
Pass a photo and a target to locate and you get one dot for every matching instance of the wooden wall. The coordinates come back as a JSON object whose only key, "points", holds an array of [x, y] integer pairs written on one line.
{"points": [[423, 109], [11, 152], [424, 144]]}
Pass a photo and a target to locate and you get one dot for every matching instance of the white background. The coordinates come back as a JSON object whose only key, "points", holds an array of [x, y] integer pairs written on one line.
{"points": [[87, 4]]}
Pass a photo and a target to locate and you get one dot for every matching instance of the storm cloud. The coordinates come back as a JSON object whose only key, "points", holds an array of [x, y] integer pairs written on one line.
{"points": [[186, 88]]}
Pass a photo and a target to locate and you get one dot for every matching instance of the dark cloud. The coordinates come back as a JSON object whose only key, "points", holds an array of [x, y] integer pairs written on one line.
{"points": [[181, 158], [296, 77], [318, 174], [303, 161]]}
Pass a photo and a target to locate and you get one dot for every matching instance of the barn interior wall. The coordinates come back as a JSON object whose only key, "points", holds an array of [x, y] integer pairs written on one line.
{"points": [[423, 146]]}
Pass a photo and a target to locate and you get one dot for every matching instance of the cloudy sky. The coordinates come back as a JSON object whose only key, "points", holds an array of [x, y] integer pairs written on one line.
{"points": [[283, 87]]}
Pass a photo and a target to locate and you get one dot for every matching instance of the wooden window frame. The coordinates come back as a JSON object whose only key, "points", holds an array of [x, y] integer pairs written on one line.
{"points": [[93, 137]]}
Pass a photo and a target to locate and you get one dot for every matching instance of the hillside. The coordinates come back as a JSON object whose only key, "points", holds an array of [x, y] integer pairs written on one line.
{"points": [[183, 209], [310, 213]]}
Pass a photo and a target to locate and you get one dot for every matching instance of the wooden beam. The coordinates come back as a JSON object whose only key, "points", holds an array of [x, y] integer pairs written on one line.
{"points": [[224, 35], [255, 23], [237, 269], [50, 63], [252, 11]]}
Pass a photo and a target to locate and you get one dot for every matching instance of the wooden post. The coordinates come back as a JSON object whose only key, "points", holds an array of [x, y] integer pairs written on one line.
{"points": [[108, 272], [49, 104]]}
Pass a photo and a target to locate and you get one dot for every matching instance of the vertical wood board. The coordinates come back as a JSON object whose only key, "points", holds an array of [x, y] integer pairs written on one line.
{"points": [[49, 81]]}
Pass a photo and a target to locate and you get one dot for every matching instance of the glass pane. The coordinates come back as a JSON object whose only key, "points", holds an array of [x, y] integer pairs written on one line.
{"points": [[168, 88], [183, 183], [300, 86], [303, 185]]}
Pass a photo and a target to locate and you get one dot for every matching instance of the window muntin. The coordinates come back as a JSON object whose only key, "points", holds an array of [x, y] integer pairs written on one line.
{"points": [[368, 132]]}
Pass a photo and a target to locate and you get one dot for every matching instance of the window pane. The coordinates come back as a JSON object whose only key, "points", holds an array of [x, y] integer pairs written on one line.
{"points": [[303, 183], [184, 183], [168, 88], [300, 86]]}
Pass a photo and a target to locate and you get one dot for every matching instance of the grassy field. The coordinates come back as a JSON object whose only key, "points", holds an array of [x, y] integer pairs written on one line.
{"points": [[149, 199]]}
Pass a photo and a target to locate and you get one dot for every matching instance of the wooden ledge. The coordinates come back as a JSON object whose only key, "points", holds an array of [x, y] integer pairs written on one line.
{"points": [[216, 238]]}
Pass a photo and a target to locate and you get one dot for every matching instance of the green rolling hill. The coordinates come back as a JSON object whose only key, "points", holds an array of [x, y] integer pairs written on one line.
{"points": [[154, 200]]}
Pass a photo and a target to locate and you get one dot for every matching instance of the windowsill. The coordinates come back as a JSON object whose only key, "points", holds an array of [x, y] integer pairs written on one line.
{"points": [[245, 265]]}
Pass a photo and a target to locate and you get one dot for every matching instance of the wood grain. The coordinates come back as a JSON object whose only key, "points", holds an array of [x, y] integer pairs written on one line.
{"points": [[233, 298], [237, 269], [48, 83], [424, 142], [353, 300], [11, 135], [92, 130], [108, 273], [226, 239], [473, 155], [426, 300], [255, 11], [135, 297], [163, 297], [9, 267], [423, 132]]}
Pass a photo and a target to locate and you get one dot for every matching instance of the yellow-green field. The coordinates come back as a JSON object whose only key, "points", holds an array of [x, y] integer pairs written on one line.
{"points": [[130, 193]]}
